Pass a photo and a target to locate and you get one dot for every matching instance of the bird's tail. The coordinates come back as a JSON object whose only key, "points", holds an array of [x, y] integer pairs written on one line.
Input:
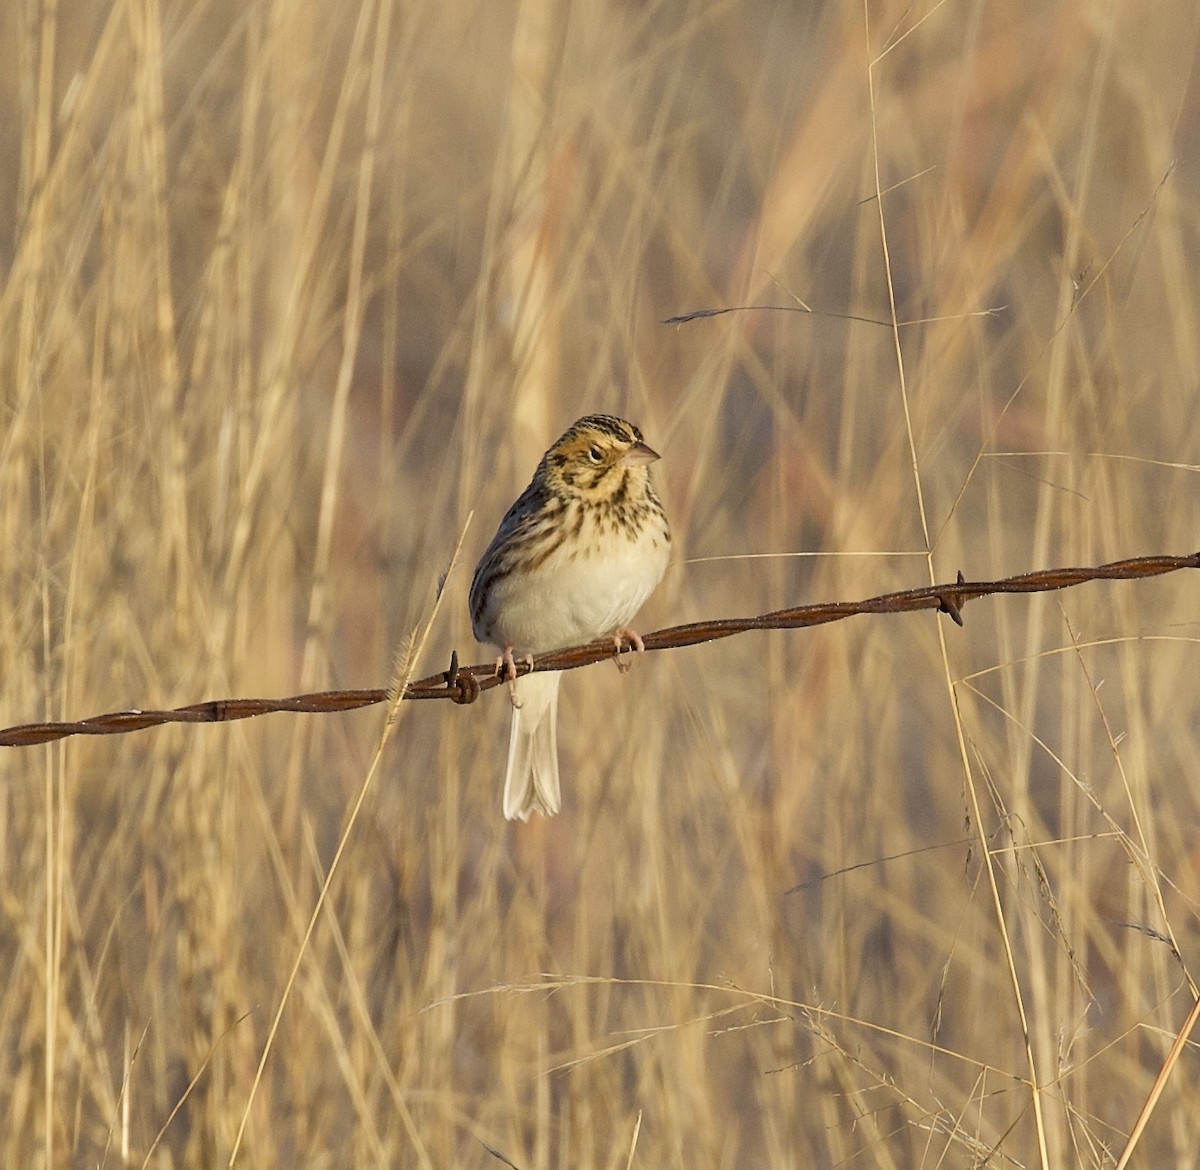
{"points": [[531, 779]]}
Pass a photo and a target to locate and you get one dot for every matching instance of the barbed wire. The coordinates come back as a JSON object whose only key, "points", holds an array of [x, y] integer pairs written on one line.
{"points": [[464, 684]]}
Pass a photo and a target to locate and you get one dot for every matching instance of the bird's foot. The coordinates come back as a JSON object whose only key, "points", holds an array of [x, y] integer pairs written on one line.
{"points": [[633, 639], [506, 670]]}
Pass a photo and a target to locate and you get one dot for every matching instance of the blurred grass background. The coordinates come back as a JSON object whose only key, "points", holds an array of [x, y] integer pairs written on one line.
{"points": [[289, 289]]}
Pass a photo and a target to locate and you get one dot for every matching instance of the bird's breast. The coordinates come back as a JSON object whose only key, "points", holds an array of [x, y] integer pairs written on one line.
{"points": [[592, 584]]}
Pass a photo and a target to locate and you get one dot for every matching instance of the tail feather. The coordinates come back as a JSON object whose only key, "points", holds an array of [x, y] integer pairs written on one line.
{"points": [[531, 779]]}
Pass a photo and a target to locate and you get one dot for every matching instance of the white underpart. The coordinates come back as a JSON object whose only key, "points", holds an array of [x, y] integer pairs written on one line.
{"points": [[568, 600]]}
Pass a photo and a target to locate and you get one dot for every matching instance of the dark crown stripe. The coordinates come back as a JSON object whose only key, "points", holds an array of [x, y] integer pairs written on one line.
{"points": [[607, 424]]}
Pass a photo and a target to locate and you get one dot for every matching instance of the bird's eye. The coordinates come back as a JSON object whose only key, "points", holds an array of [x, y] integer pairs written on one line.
{"points": [[595, 454]]}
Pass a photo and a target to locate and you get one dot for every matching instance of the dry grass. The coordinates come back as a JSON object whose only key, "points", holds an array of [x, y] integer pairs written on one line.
{"points": [[291, 289]]}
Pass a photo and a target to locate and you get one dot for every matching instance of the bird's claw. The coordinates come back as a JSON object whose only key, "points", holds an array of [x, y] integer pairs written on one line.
{"points": [[634, 639], [506, 671]]}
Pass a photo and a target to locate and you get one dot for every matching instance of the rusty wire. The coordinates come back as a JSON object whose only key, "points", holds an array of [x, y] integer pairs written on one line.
{"points": [[464, 684]]}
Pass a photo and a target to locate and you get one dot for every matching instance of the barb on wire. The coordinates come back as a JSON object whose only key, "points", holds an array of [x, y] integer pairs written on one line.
{"points": [[464, 684]]}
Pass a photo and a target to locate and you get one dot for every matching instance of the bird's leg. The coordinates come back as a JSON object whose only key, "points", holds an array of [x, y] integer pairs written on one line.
{"points": [[620, 637], [506, 669]]}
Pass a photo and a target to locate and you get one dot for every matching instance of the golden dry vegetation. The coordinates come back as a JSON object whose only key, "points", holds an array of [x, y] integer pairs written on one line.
{"points": [[291, 289]]}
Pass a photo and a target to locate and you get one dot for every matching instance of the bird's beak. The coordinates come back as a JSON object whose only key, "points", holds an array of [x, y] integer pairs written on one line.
{"points": [[639, 455]]}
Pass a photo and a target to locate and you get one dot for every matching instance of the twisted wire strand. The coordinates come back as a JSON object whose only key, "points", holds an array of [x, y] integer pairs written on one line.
{"points": [[464, 684]]}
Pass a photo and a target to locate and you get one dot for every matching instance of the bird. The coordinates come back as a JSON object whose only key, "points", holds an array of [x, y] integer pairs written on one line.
{"points": [[574, 559]]}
